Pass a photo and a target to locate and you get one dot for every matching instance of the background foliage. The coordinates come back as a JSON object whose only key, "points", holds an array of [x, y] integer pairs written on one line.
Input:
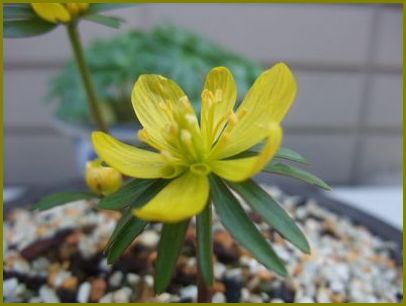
{"points": [[117, 62]]}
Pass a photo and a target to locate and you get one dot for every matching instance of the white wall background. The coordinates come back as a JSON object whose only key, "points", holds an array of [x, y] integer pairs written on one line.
{"points": [[348, 60]]}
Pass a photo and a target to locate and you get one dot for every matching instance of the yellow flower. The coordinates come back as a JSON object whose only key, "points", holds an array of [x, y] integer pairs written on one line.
{"points": [[59, 12], [102, 180], [188, 150]]}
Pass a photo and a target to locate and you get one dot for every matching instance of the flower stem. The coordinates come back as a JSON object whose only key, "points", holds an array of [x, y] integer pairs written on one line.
{"points": [[86, 78]]}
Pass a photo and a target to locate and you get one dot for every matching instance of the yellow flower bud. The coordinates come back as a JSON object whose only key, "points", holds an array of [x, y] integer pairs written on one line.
{"points": [[102, 180], [59, 12]]}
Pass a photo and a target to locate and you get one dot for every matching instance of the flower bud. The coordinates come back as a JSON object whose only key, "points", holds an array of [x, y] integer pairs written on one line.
{"points": [[102, 180]]}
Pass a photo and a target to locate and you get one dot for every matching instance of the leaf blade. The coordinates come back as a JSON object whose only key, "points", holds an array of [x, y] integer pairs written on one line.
{"points": [[271, 212], [291, 155], [109, 21], [169, 248], [26, 28], [125, 196], [241, 227], [61, 198], [300, 174], [124, 238], [204, 238]]}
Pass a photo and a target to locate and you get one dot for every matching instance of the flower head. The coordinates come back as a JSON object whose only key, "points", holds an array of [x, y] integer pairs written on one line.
{"points": [[59, 12], [102, 180], [187, 150]]}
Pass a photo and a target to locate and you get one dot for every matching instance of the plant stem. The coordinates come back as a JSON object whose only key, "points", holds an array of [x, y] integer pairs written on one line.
{"points": [[204, 255], [86, 77]]}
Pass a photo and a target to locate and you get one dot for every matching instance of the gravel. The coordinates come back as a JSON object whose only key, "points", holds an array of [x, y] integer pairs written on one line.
{"points": [[57, 256]]}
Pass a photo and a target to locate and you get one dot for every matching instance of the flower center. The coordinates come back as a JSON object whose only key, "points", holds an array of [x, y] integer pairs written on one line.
{"points": [[200, 169]]}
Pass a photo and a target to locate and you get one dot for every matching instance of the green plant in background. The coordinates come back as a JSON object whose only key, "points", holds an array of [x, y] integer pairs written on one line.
{"points": [[116, 62], [191, 164], [25, 20]]}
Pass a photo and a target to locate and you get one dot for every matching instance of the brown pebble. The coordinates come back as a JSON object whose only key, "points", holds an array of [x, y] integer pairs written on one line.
{"points": [[265, 275], [98, 289], [337, 298], [219, 287], [74, 238], [224, 239], [152, 257], [70, 283], [41, 231]]}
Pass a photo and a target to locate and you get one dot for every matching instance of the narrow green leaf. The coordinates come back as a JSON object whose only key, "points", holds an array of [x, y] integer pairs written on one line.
{"points": [[124, 238], [169, 249], [26, 28], [205, 244], [129, 227], [283, 153], [109, 21], [289, 154], [18, 12], [271, 212], [62, 198], [149, 193], [125, 196], [125, 218], [283, 169], [101, 7], [241, 227]]}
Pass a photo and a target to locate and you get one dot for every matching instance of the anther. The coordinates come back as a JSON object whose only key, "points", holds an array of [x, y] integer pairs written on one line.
{"points": [[143, 135], [218, 95], [186, 137], [232, 119], [242, 111]]}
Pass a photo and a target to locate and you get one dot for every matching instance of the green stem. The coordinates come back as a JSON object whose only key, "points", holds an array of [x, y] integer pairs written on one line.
{"points": [[86, 78]]}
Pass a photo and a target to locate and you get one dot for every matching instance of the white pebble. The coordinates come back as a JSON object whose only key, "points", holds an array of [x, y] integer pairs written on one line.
{"points": [[48, 295], [84, 292], [149, 238], [122, 295], [133, 278], [116, 278], [189, 292], [219, 270], [108, 298], [304, 299], [277, 301], [9, 287], [218, 297]]}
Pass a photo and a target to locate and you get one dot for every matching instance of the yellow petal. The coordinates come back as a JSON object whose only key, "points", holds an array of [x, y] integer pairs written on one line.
{"points": [[182, 198], [237, 170], [52, 12], [130, 160], [76, 8], [155, 99], [218, 99], [268, 100]]}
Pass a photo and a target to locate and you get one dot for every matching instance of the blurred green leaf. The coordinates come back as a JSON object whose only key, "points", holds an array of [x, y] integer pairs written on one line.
{"points": [[116, 63], [169, 249], [62, 198], [110, 21], [205, 244], [125, 218], [291, 155], [21, 11], [286, 170], [241, 227], [124, 197], [271, 212], [26, 28], [125, 236]]}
